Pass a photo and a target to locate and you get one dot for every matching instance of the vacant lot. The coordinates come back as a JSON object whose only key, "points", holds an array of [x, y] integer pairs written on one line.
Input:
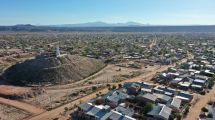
{"points": [[12, 113]]}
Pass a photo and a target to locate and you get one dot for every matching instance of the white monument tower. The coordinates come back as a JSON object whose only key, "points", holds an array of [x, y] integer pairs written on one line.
{"points": [[57, 51]]}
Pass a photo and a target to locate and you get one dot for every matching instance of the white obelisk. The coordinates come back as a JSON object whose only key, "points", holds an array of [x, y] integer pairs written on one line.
{"points": [[57, 51]]}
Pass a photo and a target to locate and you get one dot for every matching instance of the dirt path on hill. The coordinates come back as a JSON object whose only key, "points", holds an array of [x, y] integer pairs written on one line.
{"points": [[195, 110], [20, 105]]}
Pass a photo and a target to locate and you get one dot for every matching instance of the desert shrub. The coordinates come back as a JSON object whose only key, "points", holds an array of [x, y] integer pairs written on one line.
{"points": [[187, 109], [113, 87], [202, 115], [178, 116], [90, 82], [94, 88], [120, 85], [202, 92], [204, 109], [75, 94], [66, 109], [210, 83]]}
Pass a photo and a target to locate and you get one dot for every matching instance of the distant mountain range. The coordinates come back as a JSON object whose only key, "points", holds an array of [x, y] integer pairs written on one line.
{"points": [[107, 27], [99, 24]]}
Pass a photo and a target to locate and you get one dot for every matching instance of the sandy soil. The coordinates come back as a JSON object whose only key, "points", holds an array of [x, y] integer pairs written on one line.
{"points": [[59, 94], [55, 112], [55, 97], [21, 105], [11, 90], [144, 77], [106, 75], [60, 91], [12, 113], [195, 110]]}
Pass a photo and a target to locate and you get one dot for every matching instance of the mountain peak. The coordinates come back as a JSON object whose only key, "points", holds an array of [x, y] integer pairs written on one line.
{"points": [[100, 24]]}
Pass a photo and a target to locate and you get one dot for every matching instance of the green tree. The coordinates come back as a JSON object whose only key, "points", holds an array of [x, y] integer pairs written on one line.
{"points": [[148, 107], [178, 116]]}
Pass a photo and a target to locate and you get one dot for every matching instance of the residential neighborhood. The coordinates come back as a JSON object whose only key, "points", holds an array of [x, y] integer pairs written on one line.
{"points": [[137, 100], [168, 96]]}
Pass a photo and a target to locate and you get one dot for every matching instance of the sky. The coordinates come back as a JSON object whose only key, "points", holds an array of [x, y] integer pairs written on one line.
{"points": [[154, 12]]}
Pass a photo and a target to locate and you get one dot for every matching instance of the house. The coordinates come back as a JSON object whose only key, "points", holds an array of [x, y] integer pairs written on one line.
{"points": [[97, 112], [146, 87], [115, 97], [175, 104], [184, 75], [184, 85], [90, 111], [161, 98], [198, 84], [103, 112], [85, 107], [146, 90], [165, 77], [173, 75], [207, 73], [132, 88], [202, 77], [156, 90], [148, 97], [167, 91], [114, 115], [175, 81], [161, 112], [125, 111], [184, 96]]}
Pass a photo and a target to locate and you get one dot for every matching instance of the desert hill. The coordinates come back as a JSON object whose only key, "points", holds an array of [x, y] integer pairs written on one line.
{"points": [[52, 70]]}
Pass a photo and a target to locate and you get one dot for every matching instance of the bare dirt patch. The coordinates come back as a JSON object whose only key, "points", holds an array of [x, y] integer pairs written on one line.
{"points": [[12, 113]]}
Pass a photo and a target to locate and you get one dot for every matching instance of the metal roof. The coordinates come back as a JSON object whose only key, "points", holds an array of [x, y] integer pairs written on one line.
{"points": [[162, 96], [165, 112], [199, 81], [96, 112], [86, 106], [176, 102], [114, 115], [116, 96], [160, 110], [124, 111], [150, 96]]}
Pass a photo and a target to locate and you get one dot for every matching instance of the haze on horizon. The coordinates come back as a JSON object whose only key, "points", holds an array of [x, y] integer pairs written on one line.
{"points": [[154, 12]]}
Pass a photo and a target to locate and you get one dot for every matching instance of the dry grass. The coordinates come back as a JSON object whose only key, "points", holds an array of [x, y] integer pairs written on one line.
{"points": [[12, 113]]}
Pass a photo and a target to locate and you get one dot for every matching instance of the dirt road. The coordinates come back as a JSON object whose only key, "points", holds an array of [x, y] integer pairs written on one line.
{"points": [[55, 112], [20, 105], [48, 115], [195, 110]]}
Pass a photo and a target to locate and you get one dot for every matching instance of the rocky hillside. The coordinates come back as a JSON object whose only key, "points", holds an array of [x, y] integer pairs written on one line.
{"points": [[52, 70]]}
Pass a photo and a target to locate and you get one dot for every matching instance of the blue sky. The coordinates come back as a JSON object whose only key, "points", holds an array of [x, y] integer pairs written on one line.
{"points": [[156, 12]]}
